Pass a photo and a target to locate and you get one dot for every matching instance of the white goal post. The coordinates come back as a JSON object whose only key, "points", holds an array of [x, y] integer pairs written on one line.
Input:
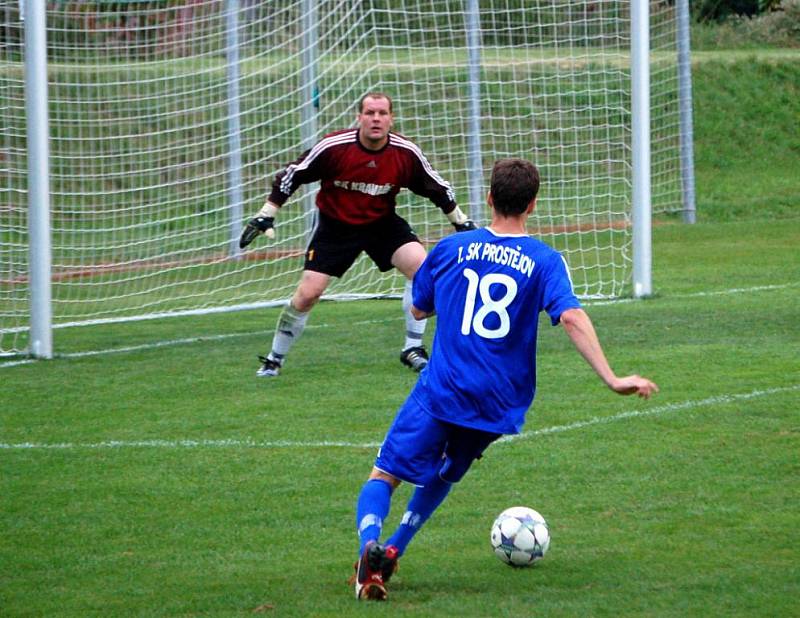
{"points": [[135, 147]]}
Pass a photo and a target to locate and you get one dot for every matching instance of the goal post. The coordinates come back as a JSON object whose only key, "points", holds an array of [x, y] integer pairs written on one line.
{"points": [[640, 149], [167, 121], [39, 250]]}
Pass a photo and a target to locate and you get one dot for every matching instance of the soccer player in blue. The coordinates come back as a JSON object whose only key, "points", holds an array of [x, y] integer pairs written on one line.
{"points": [[487, 288]]}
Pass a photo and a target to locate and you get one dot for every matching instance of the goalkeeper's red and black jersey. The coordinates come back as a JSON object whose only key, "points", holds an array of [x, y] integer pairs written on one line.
{"points": [[358, 185]]}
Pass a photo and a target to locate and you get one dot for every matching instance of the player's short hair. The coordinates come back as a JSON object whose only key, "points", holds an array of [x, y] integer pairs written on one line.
{"points": [[514, 185], [374, 95]]}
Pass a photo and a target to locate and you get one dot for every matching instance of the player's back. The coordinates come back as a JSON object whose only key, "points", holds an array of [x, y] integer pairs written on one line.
{"points": [[487, 290]]}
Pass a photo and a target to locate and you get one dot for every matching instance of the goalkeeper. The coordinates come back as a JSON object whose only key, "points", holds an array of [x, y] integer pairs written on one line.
{"points": [[361, 171]]}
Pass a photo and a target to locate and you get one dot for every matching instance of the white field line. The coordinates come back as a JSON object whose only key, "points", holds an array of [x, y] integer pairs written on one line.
{"points": [[670, 407], [183, 341], [190, 340], [267, 444], [758, 288]]}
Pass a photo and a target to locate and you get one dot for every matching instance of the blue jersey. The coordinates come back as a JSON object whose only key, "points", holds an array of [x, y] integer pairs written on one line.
{"points": [[487, 290]]}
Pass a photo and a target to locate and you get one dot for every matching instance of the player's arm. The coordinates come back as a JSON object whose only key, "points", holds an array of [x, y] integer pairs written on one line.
{"points": [[428, 183], [419, 314], [299, 172], [423, 289], [581, 331]]}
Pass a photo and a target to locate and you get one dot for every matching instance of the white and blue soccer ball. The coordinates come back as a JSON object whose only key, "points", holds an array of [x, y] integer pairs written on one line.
{"points": [[520, 536]]}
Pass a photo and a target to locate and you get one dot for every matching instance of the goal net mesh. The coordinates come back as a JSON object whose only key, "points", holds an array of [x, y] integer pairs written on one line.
{"points": [[168, 121]]}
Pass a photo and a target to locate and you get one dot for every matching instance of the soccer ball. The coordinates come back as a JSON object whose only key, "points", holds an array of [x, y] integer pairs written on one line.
{"points": [[520, 536]]}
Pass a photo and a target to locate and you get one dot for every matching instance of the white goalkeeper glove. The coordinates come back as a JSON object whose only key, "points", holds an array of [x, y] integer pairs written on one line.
{"points": [[262, 223]]}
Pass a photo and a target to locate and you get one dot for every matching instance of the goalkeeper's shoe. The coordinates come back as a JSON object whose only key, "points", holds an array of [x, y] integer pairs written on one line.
{"points": [[416, 358], [373, 569], [269, 367]]}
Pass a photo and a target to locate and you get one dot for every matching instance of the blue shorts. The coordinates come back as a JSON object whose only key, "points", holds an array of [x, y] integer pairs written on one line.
{"points": [[419, 446]]}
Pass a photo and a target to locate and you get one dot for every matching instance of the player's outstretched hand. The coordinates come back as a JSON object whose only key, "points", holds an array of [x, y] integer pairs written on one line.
{"points": [[256, 226], [634, 384], [466, 226]]}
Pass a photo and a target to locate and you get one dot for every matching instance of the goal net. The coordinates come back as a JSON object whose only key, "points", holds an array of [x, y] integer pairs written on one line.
{"points": [[169, 119]]}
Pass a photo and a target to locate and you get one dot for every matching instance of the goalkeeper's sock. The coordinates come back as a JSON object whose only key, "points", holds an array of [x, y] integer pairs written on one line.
{"points": [[291, 324], [414, 328], [424, 501], [372, 508]]}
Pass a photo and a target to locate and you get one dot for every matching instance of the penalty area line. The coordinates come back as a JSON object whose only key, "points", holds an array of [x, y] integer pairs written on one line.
{"points": [[670, 407], [275, 444]]}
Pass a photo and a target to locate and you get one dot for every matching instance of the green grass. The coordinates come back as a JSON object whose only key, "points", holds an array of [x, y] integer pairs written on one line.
{"points": [[171, 495], [685, 508], [746, 152]]}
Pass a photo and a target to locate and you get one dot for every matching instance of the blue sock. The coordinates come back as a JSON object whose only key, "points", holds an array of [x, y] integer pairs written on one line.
{"points": [[423, 503], [372, 508]]}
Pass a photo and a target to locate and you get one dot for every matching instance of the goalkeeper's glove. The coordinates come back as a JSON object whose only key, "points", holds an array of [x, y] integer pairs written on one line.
{"points": [[262, 223], [465, 226], [460, 221]]}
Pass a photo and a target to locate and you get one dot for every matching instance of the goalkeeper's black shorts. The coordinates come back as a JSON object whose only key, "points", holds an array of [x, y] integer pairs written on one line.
{"points": [[335, 245]]}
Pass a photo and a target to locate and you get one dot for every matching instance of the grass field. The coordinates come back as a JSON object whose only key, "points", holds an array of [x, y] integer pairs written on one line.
{"points": [[151, 474], [147, 472]]}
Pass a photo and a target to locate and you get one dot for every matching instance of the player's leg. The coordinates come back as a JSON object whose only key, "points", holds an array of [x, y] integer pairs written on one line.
{"points": [[411, 452], [292, 320], [407, 260], [424, 501], [464, 446], [391, 243], [333, 248], [372, 508]]}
